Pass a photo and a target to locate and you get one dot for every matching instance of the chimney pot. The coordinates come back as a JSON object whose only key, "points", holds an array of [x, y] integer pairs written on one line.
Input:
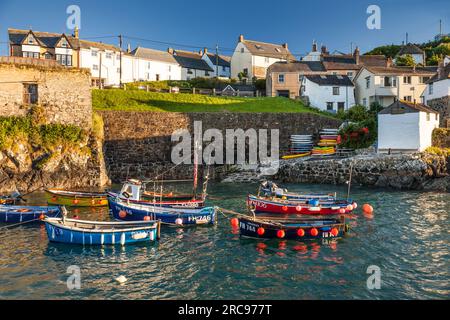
{"points": [[285, 45], [314, 47], [241, 38], [356, 55], [170, 50], [324, 49], [76, 32]]}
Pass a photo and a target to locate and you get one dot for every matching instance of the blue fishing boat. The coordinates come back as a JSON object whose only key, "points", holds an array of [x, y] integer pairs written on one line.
{"points": [[80, 232], [19, 214], [124, 211]]}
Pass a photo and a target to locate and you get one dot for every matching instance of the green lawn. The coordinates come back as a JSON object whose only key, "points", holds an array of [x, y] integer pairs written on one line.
{"points": [[133, 100]]}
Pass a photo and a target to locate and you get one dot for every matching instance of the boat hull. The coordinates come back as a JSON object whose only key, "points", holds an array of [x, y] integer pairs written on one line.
{"points": [[180, 217], [323, 229], [64, 234], [19, 214], [260, 205], [76, 199], [166, 204]]}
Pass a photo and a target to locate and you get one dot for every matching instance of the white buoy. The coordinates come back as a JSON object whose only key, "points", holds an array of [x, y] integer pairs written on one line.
{"points": [[121, 279]]}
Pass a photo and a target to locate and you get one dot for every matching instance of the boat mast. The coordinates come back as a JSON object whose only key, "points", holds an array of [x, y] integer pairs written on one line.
{"points": [[195, 168]]}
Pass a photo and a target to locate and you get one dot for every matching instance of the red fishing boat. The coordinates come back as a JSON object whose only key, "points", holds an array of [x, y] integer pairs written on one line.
{"points": [[314, 207]]}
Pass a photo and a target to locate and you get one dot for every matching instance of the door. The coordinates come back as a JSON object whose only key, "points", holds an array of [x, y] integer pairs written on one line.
{"points": [[30, 93], [283, 93]]}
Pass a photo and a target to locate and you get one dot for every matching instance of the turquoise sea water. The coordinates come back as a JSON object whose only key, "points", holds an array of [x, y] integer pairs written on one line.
{"points": [[407, 238]]}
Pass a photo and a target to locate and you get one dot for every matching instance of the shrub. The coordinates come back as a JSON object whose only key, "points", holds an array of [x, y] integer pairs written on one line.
{"points": [[355, 114], [438, 151], [441, 137]]}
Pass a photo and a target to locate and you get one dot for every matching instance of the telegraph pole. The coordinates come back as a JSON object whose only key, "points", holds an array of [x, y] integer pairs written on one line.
{"points": [[100, 71], [217, 61], [120, 53]]}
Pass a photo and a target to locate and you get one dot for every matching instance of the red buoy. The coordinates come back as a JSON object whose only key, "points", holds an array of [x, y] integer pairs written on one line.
{"points": [[301, 232], [261, 231], [281, 234], [234, 222], [284, 208], [122, 214], [334, 232], [42, 217], [314, 232], [367, 208], [76, 201], [342, 211]]}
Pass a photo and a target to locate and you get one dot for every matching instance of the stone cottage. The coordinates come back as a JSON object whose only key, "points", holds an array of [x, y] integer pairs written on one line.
{"points": [[63, 93]]}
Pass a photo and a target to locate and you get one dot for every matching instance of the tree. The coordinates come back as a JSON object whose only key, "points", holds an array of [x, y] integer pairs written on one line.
{"points": [[405, 60]]}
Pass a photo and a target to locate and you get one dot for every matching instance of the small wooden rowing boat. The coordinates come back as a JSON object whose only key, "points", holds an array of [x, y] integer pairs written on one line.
{"points": [[301, 229], [19, 214], [76, 199], [123, 211], [309, 207], [80, 232], [295, 156]]}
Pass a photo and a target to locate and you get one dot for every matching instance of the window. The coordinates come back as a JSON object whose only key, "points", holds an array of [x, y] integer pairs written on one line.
{"points": [[242, 50], [149, 65], [341, 106], [300, 78], [108, 55], [64, 43], [246, 72], [266, 60], [34, 55], [48, 56], [407, 98], [30, 93], [390, 82], [335, 91], [365, 102], [424, 79], [330, 106], [334, 73], [189, 71], [407, 79], [281, 78], [428, 116], [95, 67], [64, 59], [430, 88], [350, 74], [207, 73], [436, 116], [30, 40], [224, 68], [147, 76], [94, 53], [170, 68], [157, 77], [367, 82]]}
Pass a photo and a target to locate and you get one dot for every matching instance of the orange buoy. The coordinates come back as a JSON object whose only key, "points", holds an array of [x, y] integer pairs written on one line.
{"points": [[281, 234], [93, 202], [76, 201], [42, 217], [367, 208], [235, 222], [301, 232], [335, 232], [146, 218], [261, 231], [285, 208], [350, 207], [54, 199], [314, 232], [122, 214]]}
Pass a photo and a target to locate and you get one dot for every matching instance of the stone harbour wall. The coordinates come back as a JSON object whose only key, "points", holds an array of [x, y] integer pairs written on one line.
{"points": [[403, 172], [138, 144], [441, 105]]}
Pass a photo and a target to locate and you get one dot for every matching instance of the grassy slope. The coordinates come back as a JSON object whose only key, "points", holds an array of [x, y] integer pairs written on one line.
{"points": [[116, 99]]}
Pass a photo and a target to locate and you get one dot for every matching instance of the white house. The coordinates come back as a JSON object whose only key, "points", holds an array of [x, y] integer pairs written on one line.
{"points": [[411, 49], [252, 58], [219, 63], [385, 85], [192, 64], [406, 127], [154, 65], [331, 93]]}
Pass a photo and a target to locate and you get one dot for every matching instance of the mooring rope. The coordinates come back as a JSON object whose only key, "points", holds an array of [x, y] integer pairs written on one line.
{"points": [[18, 224]]}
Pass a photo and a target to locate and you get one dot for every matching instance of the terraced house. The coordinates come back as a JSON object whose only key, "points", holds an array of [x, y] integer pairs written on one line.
{"points": [[251, 59], [192, 64]]}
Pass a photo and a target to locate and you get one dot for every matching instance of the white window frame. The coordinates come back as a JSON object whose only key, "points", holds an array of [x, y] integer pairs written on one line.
{"points": [[281, 76]]}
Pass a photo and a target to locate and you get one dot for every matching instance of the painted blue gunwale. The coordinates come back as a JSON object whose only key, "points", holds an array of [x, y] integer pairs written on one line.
{"points": [[100, 233], [19, 214], [185, 216]]}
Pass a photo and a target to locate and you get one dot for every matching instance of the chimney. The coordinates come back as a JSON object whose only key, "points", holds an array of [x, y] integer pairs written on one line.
{"points": [[356, 55], [205, 50], [129, 48], [314, 47], [200, 52], [285, 45], [389, 62], [324, 49], [170, 50], [76, 33], [241, 38]]}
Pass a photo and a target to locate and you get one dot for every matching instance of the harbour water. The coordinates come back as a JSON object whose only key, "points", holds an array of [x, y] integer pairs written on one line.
{"points": [[407, 237]]}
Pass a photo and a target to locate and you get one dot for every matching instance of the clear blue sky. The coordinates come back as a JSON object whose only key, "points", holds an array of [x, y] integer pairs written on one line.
{"points": [[204, 23]]}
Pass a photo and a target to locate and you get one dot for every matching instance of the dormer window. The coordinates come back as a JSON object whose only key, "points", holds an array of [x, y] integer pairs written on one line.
{"points": [[30, 40], [258, 47], [277, 50]]}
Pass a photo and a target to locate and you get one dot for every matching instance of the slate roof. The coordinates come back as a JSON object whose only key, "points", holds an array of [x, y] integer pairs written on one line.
{"points": [[400, 107], [330, 80], [152, 54], [269, 50], [348, 61], [224, 61], [396, 70], [410, 48], [298, 66], [442, 75], [99, 45], [45, 39], [191, 60]]}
